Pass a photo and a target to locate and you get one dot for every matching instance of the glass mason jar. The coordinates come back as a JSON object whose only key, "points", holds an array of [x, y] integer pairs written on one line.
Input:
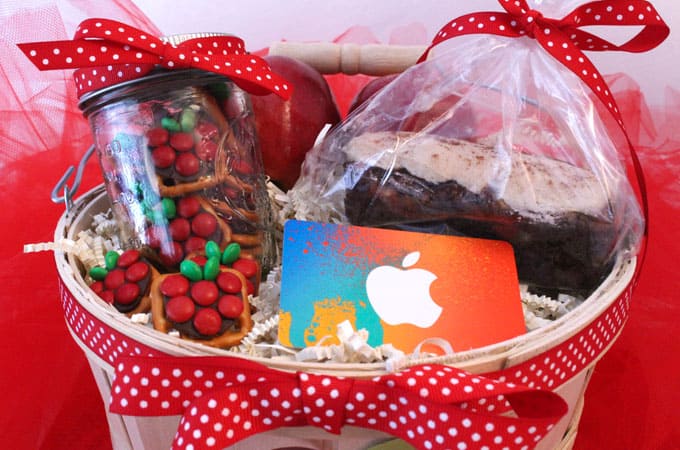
{"points": [[181, 165]]}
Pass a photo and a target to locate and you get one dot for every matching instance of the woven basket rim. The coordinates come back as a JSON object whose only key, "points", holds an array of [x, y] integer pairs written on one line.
{"points": [[498, 355]]}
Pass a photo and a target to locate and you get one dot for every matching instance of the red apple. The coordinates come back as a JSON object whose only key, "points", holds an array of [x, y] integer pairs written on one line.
{"points": [[460, 124], [369, 89], [287, 129]]}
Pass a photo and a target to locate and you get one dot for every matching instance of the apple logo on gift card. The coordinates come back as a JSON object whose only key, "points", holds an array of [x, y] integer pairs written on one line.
{"points": [[403, 296]]}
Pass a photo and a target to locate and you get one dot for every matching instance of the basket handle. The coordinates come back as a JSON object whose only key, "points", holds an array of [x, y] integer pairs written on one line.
{"points": [[350, 59]]}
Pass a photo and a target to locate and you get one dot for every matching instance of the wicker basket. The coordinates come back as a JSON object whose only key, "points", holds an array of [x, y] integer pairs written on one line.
{"points": [[536, 359]]}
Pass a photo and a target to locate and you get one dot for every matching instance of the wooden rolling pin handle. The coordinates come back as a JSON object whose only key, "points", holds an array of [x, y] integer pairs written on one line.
{"points": [[350, 59]]}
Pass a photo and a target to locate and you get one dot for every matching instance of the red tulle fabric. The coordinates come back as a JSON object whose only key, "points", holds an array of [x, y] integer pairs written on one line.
{"points": [[39, 109], [50, 400]]}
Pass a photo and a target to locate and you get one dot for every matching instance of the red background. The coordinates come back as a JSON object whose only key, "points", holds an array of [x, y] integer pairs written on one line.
{"points": [[49, 398]]}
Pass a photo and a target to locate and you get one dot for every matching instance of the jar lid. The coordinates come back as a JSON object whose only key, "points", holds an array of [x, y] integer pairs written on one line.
{"points": [[157, 76], [156, 73]]}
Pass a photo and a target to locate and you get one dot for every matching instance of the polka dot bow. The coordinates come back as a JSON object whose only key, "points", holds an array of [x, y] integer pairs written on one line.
{"points": [[224, 400], [106, 52], [564, 39]]}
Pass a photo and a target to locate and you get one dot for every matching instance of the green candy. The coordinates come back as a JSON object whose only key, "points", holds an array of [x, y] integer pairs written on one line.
{"points": [[169, 208], [98, 273], [211, 268], [212, 249], [111, 259], [191, 270], [170, 124], [187, 120], [231, 253]]}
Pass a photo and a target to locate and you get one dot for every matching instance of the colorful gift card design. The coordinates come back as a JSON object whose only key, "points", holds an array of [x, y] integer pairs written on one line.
{"points": [[402, 287]]}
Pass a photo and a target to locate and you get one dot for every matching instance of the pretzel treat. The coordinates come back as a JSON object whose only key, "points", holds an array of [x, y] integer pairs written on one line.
{"points": [[125, 281], [213, 312]]}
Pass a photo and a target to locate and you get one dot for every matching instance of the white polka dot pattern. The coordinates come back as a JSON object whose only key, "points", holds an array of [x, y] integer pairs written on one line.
{"points": [[224, 400], [563, 39], [104, 341], [553, 368], [248, 398], [106, 52]]}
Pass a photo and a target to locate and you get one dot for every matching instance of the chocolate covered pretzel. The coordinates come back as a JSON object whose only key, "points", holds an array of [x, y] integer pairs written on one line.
{"points": [[214, 312]]}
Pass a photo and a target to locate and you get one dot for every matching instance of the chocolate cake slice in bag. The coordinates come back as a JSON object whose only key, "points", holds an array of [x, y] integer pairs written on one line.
{"points": [[490, 137]]}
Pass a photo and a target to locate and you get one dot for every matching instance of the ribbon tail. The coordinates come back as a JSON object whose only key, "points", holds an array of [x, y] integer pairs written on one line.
{"points": [[161, 385], [446, 428], [437, 407], [55, 55], [223, 418], [247, 72], [631, 13], [38, 53]]}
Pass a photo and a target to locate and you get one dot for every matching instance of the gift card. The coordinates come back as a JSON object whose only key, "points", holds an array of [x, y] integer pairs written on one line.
{"points": [[402, 287]]}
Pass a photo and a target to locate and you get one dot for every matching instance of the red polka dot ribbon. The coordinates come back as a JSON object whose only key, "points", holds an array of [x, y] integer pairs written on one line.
{"points": [[106, 52], [239, 398], [224, 400]]}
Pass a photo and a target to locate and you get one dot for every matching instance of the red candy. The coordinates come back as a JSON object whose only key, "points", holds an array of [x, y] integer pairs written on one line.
{"points": [[194, 244], [188, 206], [126, 293], [137, 272], [208, 322], [204, 292], [230, 306], [229, 282], [248, 267], [206, 150], [107, 296], [180, 309], [250, 287], [97, 287], [114, 279], [128, 257], [154, 235], [173, 255], [187, 164], [182, 141], [180, 229], [157, 136], [163, 156], [199, 259], [204, 224], [206, 130], [174, 285]]}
